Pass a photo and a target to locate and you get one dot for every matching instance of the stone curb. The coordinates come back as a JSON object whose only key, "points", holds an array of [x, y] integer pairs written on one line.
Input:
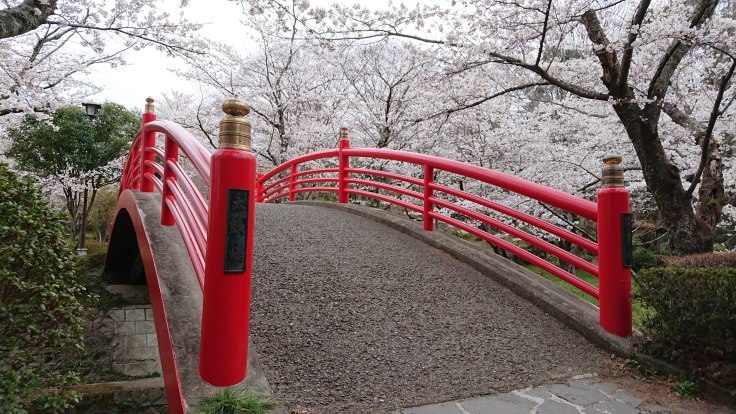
{"points": [[566, 307]]}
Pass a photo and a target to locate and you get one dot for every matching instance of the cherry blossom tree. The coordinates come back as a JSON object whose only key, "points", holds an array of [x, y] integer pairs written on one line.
{"points": [[46, 44], [664, 69], [295, 94]]}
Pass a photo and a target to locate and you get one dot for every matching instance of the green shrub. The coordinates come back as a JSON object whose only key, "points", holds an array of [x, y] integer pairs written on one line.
{"points": [[690, 311], [40, 300], [644, 258]]}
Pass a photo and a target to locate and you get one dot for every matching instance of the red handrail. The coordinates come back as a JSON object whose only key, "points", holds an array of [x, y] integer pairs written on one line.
{"points": [[286, 181]]}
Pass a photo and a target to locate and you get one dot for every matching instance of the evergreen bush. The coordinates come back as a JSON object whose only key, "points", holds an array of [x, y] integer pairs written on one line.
{"points": [[691, 313], [40, 301]]}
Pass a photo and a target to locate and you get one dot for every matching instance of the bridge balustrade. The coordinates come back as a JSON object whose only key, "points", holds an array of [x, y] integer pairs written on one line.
{"points": [[438, 202], [217, 230]]}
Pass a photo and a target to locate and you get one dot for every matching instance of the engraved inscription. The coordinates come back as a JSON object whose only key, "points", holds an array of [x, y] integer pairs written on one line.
{"points": [[626, 239], [237, 230]]}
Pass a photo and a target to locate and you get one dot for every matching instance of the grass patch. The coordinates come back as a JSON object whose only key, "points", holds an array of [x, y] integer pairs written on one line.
{"points": [[638, 312], [685, 388], [236, 402]]}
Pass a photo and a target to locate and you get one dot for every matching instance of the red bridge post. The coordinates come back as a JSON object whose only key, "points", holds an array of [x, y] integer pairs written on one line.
{"points": [[613, 230], [171, 154], [292, 182], [259, 186], [343, 165], [428, 193], [223, 352], [148, 140]]}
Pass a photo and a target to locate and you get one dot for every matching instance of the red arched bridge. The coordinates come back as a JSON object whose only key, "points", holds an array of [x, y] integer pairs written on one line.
{"points": [[175, 186]]}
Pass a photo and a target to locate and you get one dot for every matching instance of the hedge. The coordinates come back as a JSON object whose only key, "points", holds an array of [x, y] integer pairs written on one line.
{"points": [[690, 311]]}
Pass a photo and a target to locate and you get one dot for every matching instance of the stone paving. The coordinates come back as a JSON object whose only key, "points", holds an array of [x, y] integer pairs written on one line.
{"points": [[582, 394], [134, 340]]}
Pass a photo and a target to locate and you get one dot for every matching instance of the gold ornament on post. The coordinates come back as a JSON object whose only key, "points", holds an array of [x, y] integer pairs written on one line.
{"points": [[613, 172], [234, 127], [149, 105]]}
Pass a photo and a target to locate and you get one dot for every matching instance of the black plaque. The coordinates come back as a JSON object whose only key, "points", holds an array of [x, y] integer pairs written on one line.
{"points": [[236, 231], [626, 240]]}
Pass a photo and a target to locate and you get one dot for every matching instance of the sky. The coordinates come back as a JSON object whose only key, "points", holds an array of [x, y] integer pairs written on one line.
{"points": [[148, 72]]}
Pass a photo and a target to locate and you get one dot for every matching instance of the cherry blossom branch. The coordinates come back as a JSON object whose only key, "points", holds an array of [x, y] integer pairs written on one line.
{"points": [[715, 113], [676, 52], [602, 46], [450, 111], [628, 54], [130, 32]]}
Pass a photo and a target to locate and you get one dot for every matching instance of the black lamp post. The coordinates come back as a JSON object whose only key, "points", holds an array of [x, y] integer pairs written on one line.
{"points": [[91, 109]]}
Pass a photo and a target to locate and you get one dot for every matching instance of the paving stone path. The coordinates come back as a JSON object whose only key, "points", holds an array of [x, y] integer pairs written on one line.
{"points": [[133, 333], [583, 394]]}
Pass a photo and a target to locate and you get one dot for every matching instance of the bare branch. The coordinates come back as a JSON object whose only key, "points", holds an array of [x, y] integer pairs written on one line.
{"points": [[544, 33], [482, 100], [573, 226]]}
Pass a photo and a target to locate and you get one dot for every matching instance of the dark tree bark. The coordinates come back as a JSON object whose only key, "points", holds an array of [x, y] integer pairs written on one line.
{"points": [[25, 17]]}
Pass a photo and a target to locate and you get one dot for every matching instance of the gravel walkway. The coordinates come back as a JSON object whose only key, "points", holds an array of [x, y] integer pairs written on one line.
{"points": [[352, 316]]}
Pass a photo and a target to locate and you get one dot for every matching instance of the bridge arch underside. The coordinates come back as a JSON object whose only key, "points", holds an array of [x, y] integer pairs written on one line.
{"points": [[353, 316], [124, 264]]}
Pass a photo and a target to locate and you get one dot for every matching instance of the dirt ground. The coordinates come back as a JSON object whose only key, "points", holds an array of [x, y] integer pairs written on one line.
{"points": [[658, 390]]}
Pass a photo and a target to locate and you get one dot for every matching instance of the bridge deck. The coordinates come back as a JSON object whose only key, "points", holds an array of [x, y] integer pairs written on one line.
{"points": [[351, 316]]}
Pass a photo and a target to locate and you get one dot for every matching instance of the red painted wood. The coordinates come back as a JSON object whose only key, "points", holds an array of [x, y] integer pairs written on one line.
{"points": [[615, 279], [148, 140], [226, 307]]}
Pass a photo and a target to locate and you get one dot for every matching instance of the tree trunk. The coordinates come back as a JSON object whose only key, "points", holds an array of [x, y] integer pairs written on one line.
{"points": [[687, 233], [711, 194], [25, 17], [83, 226]]}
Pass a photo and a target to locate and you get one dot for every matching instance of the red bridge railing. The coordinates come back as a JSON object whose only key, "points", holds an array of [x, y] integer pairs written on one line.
{"points": [[220, 250], [217, 226], [435, 201]]}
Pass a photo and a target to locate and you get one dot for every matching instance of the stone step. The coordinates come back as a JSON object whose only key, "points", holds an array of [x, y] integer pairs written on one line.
{"points": [[134, 342], [143, 396]]}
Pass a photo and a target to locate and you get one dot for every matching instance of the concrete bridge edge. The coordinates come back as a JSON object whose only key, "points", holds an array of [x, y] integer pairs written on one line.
{"points": [[172, 282], [571, 310]]}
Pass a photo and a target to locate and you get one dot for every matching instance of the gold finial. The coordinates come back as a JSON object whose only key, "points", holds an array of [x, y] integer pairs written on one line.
{"points": [[343, 133], [149, 104], [234, 127], [613, 172]]}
